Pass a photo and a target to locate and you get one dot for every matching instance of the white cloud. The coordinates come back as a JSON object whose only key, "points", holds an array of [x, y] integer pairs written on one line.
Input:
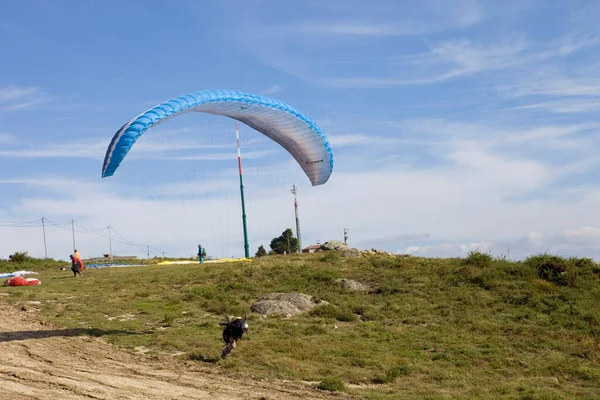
{"points": [[461, 205], [578, 242], [356, 139], [459, 58], [566, 106], [15, 98], [15, 92], [555, 84], [584, 234], [55, 184], [384, 19], [164, 146], [444, 60], [272, 89], [448, 249]]}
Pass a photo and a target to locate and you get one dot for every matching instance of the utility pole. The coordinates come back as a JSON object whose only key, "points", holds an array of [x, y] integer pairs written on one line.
{"points": [[44, 230], [345, 235], [110, 244], [246, 246], [148, 250], [73, 230], [294, 192]]}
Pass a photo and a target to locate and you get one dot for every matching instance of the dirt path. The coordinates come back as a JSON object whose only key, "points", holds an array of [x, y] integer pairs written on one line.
{"points": [[41, 362]]}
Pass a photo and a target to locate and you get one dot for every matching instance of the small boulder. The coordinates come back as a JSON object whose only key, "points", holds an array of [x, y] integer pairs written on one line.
{"points": [[352, 284]]}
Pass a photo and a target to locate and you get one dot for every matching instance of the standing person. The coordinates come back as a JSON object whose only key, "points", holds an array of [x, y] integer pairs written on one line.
{"points": [[78, 257], [232, 333], [76, 265], [201, 254]]}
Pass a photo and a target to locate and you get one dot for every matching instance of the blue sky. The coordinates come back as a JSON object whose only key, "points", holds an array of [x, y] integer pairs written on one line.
{"points": [[455, 125]]}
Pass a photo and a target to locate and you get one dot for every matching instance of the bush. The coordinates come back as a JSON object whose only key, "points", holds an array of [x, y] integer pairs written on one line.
{"points": [[332, 384], [389, 288], [261, 252], [331, 257], [331, 311], [550, 268], [19, 257], [478, 259], [392, 374], [326, 276], [385, 262]]}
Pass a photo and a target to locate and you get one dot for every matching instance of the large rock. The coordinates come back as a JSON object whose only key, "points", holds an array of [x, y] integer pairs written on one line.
{"points": [[288, 304], [334, 245]]}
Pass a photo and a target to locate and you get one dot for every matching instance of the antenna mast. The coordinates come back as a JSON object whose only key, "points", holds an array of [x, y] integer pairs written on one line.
{"points": [[295, 191], [246, 247], [45, 246]]}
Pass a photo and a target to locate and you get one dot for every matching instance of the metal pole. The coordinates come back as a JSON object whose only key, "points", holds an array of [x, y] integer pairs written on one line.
{"points": [[295, 191], [110, 244], [148, 250], [246, 246], [45, 247]]}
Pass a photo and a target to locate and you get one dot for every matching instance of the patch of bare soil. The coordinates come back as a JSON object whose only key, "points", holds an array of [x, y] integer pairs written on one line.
{"points": [[39, 361]]}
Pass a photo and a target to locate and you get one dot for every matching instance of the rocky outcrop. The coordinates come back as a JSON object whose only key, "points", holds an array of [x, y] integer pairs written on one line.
{"points": [[288, 304]]}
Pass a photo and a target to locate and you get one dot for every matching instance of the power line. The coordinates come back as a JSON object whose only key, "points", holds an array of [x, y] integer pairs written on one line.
{"points": [[70, 226]]}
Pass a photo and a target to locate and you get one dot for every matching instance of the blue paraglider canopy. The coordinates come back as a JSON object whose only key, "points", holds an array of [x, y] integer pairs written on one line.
{"points": [[279, 121]]}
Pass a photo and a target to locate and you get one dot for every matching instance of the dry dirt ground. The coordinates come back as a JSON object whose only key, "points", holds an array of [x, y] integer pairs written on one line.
{"points": [[39, 361]]}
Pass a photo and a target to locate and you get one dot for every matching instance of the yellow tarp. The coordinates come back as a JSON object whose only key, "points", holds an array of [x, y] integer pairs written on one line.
{"points": [[218, 260]]}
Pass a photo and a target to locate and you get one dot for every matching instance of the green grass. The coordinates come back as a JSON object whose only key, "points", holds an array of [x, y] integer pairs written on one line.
{"points": [[478, 327]]}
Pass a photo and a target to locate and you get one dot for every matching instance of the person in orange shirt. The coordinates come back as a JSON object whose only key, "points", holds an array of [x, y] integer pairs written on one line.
{"points": [[76, 265]]}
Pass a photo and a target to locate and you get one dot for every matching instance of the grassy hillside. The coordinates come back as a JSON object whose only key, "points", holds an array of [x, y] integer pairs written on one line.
{"points": [[428, 328]]}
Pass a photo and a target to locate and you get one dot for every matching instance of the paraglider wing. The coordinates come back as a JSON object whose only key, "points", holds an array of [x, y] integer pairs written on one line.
{"points": [[279, 121]]}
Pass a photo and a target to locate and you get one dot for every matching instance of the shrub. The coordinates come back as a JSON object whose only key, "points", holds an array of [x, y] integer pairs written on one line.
{"points": [[388, 288], [331, 257], [550, 268], [19, 257], [327, 277], [478, 259], [392, 374], [385, 262], [261, 252], [331, 311], [332, 384]]}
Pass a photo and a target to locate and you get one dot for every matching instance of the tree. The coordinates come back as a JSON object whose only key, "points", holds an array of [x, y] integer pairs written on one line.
{"points": [[261, 251], [19, 257], [285, 243]]}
